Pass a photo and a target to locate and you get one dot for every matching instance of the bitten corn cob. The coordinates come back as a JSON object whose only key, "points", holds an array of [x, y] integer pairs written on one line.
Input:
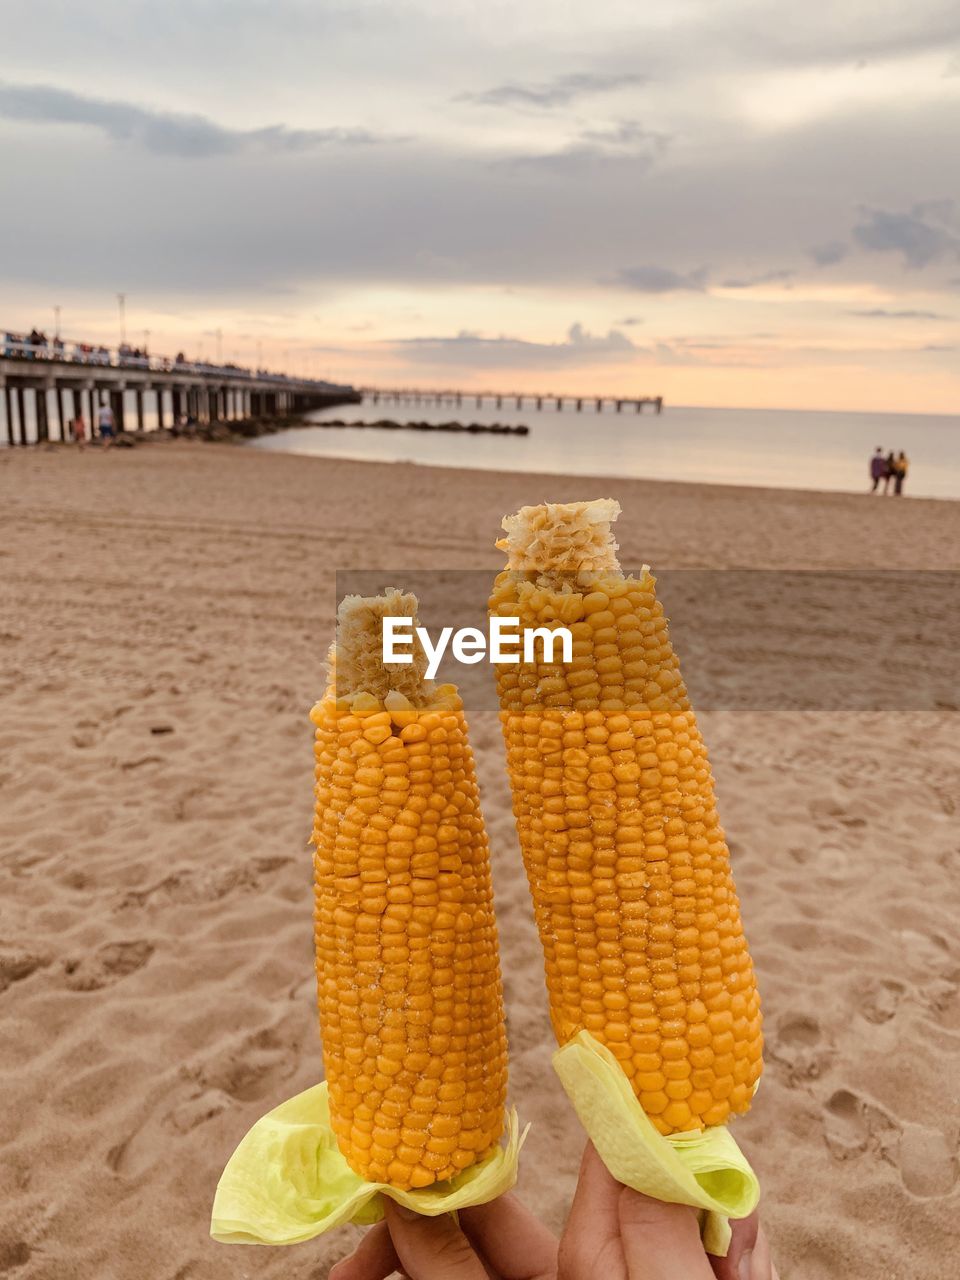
{"points": [[614, 802], [410, 998]]}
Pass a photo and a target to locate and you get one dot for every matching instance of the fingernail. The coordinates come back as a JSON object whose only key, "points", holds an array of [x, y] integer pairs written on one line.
{"points": [[745, 1269], [403, 1211]]}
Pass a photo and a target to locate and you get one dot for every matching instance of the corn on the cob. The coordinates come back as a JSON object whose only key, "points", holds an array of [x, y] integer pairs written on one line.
{"points": [[408, 973], [614, 801]]}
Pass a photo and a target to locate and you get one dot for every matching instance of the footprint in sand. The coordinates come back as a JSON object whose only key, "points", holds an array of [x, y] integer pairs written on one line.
{"points": [[927, 953], [852, 1125], [801, 853], [14, 1254], [879, 1000], [925, 1158], [796, 1042], [256, 1066], [15, 965], [193, 888], [928, 1164], [147, 1144], [942, 998], [106, 965]]}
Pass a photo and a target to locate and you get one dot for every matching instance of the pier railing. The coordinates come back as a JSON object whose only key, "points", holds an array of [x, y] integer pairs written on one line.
{"points": [[517, 399], [91, 355]]}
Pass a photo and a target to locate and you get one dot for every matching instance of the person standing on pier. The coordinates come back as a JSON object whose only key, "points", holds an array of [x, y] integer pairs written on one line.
{"points": [[105, 425], [878, 468]]}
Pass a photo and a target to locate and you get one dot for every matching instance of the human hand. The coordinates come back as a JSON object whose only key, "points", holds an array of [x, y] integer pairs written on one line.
{"points": [[619, 1234], [497, 1241]]}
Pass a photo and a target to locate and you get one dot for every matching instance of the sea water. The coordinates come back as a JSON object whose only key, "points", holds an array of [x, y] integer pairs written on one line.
{"points": [[778, 448]]}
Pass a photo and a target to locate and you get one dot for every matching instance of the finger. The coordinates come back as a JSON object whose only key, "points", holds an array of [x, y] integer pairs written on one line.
{"points": [[432, 1248], [661, 1241], [757, 1263], [374, 1258], [511, 1239], [742, 1242], [590, 1244]]}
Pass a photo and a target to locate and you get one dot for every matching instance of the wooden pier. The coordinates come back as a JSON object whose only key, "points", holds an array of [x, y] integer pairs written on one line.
{"points": [[42, 388], [508, 399]]}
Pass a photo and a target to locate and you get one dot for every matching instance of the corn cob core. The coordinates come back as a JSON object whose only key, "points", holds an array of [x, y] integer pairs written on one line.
{"points": [[627, 862], [408, 976]]}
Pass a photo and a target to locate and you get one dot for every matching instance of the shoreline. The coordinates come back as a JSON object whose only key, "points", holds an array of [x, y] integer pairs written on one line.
{"points": [[248, 431], [589, 478]]}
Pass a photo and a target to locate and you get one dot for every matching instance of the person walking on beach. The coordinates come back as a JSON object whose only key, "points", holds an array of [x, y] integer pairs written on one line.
{"points": [[901, 467], [78, 431], [878, 468], [105, 425], [890, 465]]}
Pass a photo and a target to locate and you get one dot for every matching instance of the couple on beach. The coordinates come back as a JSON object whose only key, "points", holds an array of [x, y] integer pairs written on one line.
{"points": [[888, 468], [106, 427]]}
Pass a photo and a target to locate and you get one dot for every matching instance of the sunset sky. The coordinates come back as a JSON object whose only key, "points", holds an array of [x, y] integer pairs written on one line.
{"points": [[725, 203]]}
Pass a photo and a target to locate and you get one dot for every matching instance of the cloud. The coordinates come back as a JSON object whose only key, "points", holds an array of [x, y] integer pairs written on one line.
{"points": [[829, 253], [468, 349], [925, 234], [559, 92], [655, 279], [440, 213], [880, 313], [163, 133], [626, 140], [775, 276]]}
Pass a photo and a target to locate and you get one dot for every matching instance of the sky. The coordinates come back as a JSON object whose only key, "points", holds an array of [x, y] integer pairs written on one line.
{"points": [[718, 201]]}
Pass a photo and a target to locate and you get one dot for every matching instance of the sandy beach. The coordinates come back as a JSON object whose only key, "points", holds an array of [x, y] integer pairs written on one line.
{"points": [[165, 615]]}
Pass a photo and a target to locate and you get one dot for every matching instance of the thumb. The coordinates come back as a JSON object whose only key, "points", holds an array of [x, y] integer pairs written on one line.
{"points": [[432, 1248]]}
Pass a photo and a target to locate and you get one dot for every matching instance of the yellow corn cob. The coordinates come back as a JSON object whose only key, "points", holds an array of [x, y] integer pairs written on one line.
{"points": [[410, 999], [614, 802]]}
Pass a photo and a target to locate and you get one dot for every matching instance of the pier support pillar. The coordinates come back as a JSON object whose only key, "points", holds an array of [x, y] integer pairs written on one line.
{"points": [[659, 404], [8, 408], [21, 417], [619, 405], [139, 399], [159, 408], [40, 404], [116, 404]]}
